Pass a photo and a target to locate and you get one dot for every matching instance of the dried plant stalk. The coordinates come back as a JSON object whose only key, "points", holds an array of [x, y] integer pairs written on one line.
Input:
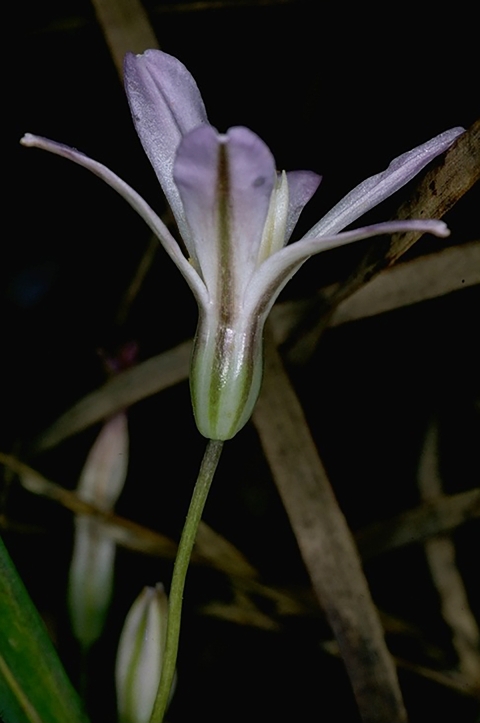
{"points": [[440, 552], [327, 546], [126, 27]]}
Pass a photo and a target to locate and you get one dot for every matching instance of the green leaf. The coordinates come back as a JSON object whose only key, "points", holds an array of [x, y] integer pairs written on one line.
{"points": [[34, 687]]}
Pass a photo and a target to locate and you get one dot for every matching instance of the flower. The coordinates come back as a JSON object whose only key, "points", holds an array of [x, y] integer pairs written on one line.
{"points": [[235, 214]]}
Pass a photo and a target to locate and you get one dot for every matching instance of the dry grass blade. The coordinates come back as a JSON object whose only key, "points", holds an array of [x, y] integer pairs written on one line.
{"points": [[241, 611], [435, 194], [211, 547], [123, 390], [201, 6], [427, 277], [126, 27], [440, 552], [448, 679], [451, 679], [215, 549], [437, 517], [124, 532], [327, 546], [138, 278], [405, 284]]}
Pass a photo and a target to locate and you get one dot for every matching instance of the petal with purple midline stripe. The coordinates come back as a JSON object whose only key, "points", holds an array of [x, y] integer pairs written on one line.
{"points": [[225, 183]]}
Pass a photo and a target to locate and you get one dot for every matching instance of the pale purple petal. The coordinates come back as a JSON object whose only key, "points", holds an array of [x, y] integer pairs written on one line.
{"points": [[301, 187], [166, 104], [277, 270], [135, 201], [377, 188], [225, 183]]}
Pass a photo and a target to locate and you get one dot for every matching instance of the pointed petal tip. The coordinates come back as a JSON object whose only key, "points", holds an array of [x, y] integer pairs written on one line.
{"points": [[454, 132], [303, 184]]}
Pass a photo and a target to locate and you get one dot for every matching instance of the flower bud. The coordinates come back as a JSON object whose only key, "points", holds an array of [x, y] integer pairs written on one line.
{"points": [[140, 653], [93, 558]]}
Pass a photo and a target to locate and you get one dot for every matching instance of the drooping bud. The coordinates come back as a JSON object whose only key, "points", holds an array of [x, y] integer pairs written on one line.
{"points": [[140, 653], [91, 570]]}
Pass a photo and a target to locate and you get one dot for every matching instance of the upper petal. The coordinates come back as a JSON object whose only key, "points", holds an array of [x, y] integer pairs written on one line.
{"points": [[290, 194], [225, 183], [166, 104], [301, 187], [376, 189]]}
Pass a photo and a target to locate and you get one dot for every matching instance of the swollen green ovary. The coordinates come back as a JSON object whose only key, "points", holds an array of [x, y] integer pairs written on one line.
{"points": [[225, 378]]}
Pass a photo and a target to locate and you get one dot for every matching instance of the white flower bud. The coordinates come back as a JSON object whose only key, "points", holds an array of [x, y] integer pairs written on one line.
{"points": [[93, 559], [105, 470], [140, 653]]}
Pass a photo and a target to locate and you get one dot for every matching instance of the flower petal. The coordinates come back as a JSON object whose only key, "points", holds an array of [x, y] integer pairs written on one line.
{"points": [[135, 201], [376, 189], [277, 270], [274, 228], [301, 187], [166, 104], [225, 183]]}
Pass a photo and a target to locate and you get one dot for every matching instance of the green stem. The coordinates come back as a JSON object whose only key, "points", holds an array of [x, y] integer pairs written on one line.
{"points": [[199, 497]]}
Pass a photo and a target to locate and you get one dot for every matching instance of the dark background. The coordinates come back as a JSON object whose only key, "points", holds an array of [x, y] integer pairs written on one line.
{"points": [[337, 90]]}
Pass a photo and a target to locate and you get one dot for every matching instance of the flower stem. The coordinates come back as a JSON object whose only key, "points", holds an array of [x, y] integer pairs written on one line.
{"points": [[199, 497]]}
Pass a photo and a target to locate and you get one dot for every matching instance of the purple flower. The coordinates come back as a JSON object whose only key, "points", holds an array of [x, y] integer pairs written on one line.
{"points": [[235, 214]]}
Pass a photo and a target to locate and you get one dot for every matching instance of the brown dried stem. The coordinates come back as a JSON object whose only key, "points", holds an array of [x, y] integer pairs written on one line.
{"points": [[327, 546]]}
